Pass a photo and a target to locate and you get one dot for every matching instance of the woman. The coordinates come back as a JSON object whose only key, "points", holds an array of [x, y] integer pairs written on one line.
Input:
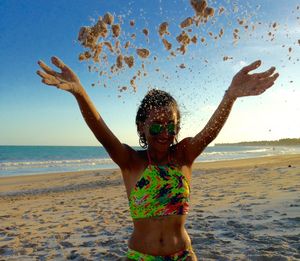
{"points": [[157, 178]]}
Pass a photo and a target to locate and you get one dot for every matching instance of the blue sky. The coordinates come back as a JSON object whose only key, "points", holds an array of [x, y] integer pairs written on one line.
{"points": [[35, 114]]}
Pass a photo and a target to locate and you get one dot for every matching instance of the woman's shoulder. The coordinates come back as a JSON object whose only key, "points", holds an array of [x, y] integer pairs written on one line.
{"points": [[179, 152], [136, 156]]}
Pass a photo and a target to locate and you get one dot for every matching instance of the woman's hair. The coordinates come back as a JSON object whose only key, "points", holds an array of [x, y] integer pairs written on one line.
{"points": [[154, 99]]}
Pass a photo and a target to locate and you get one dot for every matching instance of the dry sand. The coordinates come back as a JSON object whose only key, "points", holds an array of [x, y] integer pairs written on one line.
{"points": [[240, 210]]}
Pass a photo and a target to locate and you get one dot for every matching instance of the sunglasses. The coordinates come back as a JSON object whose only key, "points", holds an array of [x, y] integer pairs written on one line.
{"points": [[157, 128]]}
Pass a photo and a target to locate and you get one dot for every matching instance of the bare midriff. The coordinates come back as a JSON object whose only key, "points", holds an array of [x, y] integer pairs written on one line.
{"points": [[160, 236]]}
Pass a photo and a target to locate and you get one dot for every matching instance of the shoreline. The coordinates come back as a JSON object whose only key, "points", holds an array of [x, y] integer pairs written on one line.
{"points": [[195, 166], [45, 161], [245, 209]]}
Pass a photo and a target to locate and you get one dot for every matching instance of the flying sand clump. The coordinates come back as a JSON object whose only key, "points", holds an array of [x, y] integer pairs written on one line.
{"points": [[143, 53], [105, 39], [94, 38], [163, 29], [202, 11]]}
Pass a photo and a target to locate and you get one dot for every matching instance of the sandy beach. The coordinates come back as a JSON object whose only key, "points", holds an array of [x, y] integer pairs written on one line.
{"points": [[240, 210]]}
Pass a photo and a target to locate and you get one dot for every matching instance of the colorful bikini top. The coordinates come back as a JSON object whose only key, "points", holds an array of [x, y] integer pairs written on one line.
{"points": [[160, 191]]}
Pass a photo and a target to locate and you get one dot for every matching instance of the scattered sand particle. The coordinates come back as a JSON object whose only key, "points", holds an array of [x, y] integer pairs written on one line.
{"points": [[132, 23], [119, 61], [221, 10], [199, 6], [133, 36], [194, 39], [127, 44], [182, 49], [86, 38], [85, 56], [221, 32], [146, 31], [143, 53], [108, 18], [182, 66], [133, 84], [109, 46], [241, 22], [123, 88], [129, 60], [116, 29], [167, 45], [236, 34], [209, 11], [187, 22], [113, 68], [226, 58], [163, 29], [183, 38], [98, 50], [117, 46], [100, 29]]}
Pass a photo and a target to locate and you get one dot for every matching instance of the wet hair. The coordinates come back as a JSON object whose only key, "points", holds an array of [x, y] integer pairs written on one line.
{"points": [[154, 99]]}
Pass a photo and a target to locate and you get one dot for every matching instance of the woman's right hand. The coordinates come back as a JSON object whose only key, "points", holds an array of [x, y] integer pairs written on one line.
{"points": [[65, 80]]}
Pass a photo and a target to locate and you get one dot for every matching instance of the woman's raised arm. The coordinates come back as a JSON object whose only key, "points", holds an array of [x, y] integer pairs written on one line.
{"points": [[67, 80], [243, 84]]}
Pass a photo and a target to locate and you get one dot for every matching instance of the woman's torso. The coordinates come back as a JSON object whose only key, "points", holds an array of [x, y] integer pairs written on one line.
{"points": [[157, 235]]}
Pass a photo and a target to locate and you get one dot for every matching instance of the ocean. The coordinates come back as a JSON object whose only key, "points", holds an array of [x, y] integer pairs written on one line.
{"points": [[31, 160]]}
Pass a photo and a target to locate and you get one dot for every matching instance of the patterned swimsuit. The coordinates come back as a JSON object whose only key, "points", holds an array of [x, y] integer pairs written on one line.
{"points": [[161, 191]]}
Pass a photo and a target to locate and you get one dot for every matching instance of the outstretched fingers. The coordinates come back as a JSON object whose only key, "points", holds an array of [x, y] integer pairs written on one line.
{"points": [[48, 78], [251, 67], [266, 83], [46, 68], [264, 74], [64, 68], [59, 63]]}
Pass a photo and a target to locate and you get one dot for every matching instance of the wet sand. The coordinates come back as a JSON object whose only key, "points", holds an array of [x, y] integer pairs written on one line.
{"points": [[240, 210]]}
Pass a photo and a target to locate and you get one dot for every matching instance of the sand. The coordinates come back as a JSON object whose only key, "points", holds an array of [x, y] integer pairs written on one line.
{"points": [[240, 210]]}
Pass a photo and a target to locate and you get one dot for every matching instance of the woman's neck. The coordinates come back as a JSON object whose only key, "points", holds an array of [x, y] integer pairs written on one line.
{"points": [[158, 157]]}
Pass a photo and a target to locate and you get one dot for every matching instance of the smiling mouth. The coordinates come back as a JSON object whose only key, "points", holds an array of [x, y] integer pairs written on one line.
{"points": [[162, 141]]}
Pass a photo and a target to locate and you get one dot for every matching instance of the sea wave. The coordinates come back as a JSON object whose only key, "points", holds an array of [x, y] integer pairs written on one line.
{"points": [[49, 166], [41, 160], [53, 163]]}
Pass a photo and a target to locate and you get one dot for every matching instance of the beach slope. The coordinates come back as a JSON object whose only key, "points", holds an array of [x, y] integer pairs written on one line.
{"points": [[242, 209]]}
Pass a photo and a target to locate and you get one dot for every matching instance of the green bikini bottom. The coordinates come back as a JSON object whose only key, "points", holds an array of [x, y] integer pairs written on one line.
{"points": [[183, 255]]}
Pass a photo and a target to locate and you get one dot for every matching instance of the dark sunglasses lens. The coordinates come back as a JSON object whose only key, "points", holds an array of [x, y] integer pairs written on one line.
{"points": [[171, 129], [155, 129]]}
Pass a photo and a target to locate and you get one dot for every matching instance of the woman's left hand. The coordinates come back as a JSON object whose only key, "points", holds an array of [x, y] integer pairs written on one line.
{"points": [[245, 84]]}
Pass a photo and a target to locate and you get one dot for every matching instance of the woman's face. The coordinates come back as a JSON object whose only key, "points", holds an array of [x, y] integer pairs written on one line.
{"points": [[162, 120]]}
